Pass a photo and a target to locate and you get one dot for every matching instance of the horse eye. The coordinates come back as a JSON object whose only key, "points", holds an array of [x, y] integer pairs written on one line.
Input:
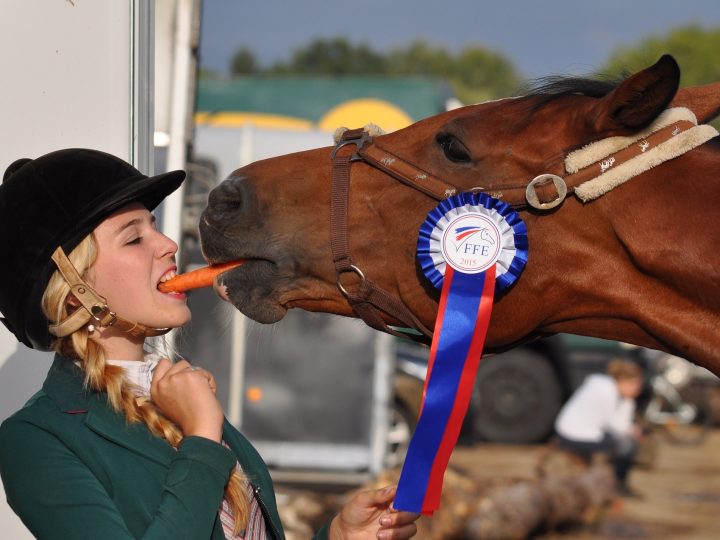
{"points": [[453, 149]]}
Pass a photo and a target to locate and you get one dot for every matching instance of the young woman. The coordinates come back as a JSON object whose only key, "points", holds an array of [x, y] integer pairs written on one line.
{"points": [[120, 443], [599, 417]]}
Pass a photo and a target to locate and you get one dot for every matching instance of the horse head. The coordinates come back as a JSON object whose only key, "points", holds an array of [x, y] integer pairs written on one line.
{"points": [[588, 261]]}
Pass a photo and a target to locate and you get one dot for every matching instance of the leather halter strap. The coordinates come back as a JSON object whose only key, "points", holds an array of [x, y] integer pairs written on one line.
{"points": [[95, 306], [368, 299], [544, 192]]}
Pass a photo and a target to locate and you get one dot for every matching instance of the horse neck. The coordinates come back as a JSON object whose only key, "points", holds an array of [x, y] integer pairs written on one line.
{"points": [[696, 172]]}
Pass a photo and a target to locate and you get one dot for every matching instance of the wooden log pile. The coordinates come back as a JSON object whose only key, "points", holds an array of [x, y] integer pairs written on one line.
{"points": [[479, 508]]}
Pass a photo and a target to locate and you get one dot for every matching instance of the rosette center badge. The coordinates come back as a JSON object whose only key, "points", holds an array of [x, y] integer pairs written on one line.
{"points": [[471, 243]]}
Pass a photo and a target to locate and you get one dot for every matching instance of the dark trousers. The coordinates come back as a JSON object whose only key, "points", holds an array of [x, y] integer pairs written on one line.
{"points": [[621, 452]]}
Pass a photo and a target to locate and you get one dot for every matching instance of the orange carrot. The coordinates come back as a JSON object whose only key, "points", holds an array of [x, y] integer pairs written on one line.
{"points": [[202, 277]]}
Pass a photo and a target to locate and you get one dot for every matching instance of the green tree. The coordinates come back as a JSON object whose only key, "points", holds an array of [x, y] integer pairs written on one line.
{"points": [[482, 74], [335, 56], [475, 73], [695, 49], [244, 62], [418, 58]]}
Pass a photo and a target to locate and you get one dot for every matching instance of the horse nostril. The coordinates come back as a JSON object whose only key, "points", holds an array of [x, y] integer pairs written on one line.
{"points": [[226, 199]]}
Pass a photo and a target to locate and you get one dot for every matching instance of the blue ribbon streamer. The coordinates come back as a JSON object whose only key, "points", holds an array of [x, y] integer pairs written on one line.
{"points": [[463, 301]]}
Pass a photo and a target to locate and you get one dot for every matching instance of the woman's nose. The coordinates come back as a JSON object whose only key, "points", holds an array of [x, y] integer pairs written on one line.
{"points": [[167, 246]]}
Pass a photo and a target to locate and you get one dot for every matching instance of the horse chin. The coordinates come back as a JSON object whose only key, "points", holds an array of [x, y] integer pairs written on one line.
{"points": [[250, 288], [264, 313]]}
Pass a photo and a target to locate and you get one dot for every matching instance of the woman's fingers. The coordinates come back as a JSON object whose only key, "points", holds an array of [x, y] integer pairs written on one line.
{"points": [[211, 382], [180, 365], [397, 533], [376, 497], [398, 519], [204, 373], [162, 368], [166, 368], [186, 395], [397, 525]]}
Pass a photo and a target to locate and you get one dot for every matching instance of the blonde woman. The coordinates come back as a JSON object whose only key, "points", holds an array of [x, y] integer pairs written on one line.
{"points": [[120, 443]]}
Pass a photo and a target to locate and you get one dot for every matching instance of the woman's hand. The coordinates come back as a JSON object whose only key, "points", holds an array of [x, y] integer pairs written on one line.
{"points": [[186, 395], [369, 515]]}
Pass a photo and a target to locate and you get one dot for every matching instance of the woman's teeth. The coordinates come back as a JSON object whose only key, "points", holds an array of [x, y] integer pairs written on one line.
{"points": [[171, 274]]}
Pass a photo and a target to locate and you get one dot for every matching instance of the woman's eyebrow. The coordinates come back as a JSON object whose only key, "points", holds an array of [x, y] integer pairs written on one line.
{"points": [[133, 222]]}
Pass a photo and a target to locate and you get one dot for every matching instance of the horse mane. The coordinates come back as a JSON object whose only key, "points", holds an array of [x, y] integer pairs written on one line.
{"points": [[547, 89]]}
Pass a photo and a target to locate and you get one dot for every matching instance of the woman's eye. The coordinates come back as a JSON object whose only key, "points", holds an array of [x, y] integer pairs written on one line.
{"points": [[453, 149], [135, 240]]}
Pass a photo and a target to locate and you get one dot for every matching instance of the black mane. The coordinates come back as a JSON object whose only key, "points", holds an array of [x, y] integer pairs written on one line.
{"points": [[547, 89]]}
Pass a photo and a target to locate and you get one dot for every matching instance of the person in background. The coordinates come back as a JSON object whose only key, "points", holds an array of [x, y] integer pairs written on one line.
{"points": [[120, 442], [600, 417]]}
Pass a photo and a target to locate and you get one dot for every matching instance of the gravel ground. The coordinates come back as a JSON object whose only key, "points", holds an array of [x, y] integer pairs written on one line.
{"points": [[680, 487]]}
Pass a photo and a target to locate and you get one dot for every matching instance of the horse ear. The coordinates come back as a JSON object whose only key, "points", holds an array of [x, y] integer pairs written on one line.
{"points": [[639, 99], [703, 101]]}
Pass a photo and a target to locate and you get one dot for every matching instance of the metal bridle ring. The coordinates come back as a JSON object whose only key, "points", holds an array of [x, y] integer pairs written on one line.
{"points": [[351, 268], [532, 197]]}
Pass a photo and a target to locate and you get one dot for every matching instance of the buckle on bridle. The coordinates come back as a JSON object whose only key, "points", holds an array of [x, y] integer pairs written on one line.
{"points": [[359, 137], [103, 316], [532, 196]]}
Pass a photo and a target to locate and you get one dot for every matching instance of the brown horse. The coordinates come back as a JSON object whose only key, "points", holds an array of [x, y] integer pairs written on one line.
{"points": [[639, 264]]}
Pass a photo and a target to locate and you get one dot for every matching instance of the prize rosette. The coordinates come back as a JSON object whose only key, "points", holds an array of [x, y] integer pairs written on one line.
{"points": [[472, 247], [450, 231]]}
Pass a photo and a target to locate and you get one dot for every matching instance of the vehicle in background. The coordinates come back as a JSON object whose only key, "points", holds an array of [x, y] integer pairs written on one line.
{"points": [[679, 400]]}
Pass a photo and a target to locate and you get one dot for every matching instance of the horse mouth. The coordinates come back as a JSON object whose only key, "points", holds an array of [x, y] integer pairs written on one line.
{"points": [[271, 279], [252, 288]]}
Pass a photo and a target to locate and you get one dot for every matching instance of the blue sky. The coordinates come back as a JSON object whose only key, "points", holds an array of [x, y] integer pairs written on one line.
{"points": [[542, 37]]}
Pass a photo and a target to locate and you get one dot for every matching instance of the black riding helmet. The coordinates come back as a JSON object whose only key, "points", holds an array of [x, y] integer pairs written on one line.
{"points": [[55, 201]]}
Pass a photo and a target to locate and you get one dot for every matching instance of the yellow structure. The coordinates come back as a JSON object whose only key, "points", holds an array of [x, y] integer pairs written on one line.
{"points": [[360, 112]]}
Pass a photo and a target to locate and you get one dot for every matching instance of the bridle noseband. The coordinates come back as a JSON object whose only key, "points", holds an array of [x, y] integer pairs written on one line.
{"points": [[368, 300]]}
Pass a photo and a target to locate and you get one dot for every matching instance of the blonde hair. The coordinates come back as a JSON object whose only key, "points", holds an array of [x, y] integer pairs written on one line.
{"points": [[620, 369], [103, 377]]}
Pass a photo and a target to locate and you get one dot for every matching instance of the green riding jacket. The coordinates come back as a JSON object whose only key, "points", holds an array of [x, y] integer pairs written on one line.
{"points": [[73, 468]]}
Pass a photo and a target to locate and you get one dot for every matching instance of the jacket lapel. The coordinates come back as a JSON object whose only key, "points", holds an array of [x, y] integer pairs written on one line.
{"points": [[64, 385], [135, 437]]}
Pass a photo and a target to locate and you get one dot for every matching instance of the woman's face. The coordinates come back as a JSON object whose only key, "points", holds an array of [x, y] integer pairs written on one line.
{"points": [[630, 387], [133, 256]]}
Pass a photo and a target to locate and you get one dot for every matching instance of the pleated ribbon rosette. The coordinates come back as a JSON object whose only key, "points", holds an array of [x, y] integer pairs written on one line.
{"points": [[472, 247]]}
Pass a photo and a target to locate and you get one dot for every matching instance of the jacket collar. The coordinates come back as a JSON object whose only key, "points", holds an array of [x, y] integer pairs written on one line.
{"points": [[65, 386]]}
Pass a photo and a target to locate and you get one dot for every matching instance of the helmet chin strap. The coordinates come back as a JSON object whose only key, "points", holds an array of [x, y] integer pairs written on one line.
{"points": [[95, 307]]}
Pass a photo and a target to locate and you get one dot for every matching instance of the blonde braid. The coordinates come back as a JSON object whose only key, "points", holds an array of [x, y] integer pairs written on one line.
{"points": [[102, 377]]}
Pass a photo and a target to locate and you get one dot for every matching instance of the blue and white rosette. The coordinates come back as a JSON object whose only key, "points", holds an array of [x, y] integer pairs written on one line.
{"points": [[472, 247], [511, 229]]}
